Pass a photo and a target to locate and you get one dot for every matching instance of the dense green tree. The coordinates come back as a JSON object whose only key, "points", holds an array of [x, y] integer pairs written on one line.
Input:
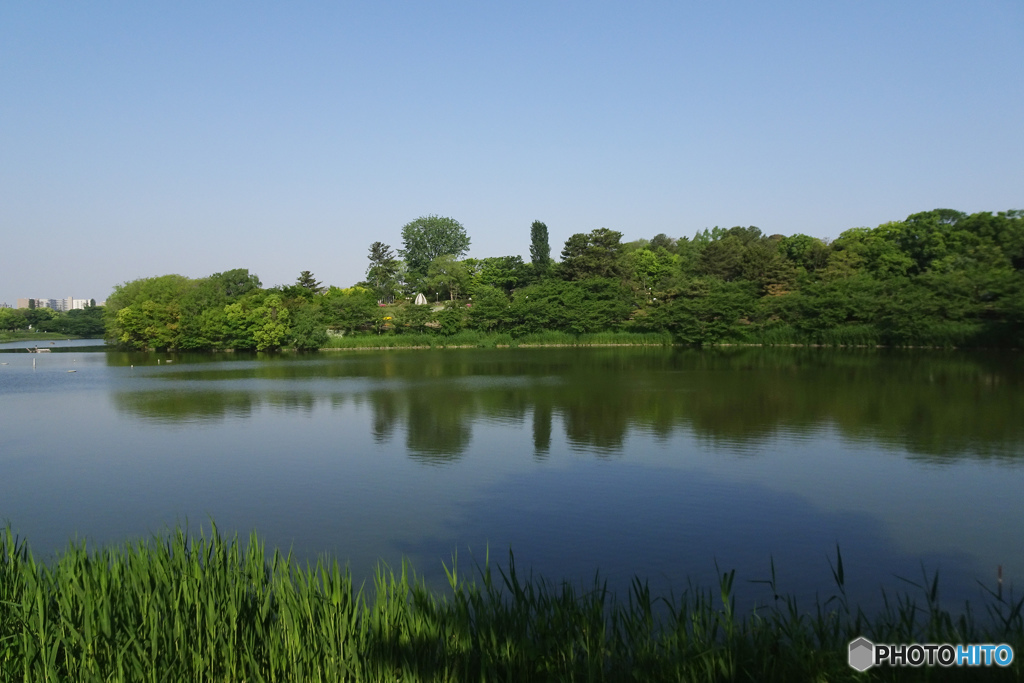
{"points": [[383, 272], [570, 306], [747, 236], [1005, 230], [214, 327], [803, 251], [349, 310], [710, 311], [209, 293], [723, 258], [309, 283], [939, 277], [428, 237], [663, 241], [83, 322], [232, 284], [504, 272], [413, 318], [37, 318], [689, 253], [448, 275], [829, 304], [451, 318], [592, 255], [161, 316], [764, 265], [148, 324], [309, 327], [878, 249], [10, 320], [238, 325], [490, 310], [647, 269], [269, 323], [540, 248]]}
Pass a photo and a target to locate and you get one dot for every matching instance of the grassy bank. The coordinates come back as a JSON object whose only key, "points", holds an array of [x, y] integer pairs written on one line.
{"points": [[780, 335], [476, 339], [213, 609], [33, 336], [933, 334]]}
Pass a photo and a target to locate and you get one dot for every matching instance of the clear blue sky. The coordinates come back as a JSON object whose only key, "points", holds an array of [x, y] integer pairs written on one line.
{"points": [[146, 138]]}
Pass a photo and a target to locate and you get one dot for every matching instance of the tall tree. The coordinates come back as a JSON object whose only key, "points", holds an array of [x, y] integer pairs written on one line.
{"points": [[595, 254], [382, 273], [663, 240], [428, 237], [540, 249], [308, 282]]}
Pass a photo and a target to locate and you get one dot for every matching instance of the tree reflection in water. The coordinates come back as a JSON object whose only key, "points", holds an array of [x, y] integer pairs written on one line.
{"points": [[937, 405]]}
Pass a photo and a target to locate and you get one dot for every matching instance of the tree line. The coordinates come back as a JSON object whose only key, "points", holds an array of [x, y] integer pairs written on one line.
{"points": [[84, 322], [937, 278]]}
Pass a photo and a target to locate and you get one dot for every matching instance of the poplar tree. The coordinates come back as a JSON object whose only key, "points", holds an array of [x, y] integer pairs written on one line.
{"points": [[540, 249]]}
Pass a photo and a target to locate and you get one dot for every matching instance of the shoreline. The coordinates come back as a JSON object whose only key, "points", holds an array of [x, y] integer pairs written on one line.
{"points": [[42, 336]]}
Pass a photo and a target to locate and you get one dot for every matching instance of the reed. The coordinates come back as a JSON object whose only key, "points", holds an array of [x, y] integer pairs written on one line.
{"points": [[385, 341], [479, 339], [210, 608], [851, 334], [625, 338]]}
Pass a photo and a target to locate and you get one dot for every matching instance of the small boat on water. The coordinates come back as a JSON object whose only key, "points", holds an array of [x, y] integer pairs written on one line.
{"points": [[39, 350]]}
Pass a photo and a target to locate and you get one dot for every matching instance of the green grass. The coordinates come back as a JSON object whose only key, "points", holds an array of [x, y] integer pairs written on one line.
{"points": [[478, 339], [210, 609], [24, 335], [929, 333], [611, 338], [841, 335], [377, 341]]}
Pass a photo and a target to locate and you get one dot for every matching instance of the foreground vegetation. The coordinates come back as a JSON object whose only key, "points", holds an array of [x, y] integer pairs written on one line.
{"points": [[209, 609], [937, 278]]}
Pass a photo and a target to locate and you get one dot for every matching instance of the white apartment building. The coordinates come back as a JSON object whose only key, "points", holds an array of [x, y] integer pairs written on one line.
{"points": [[68, 304]]}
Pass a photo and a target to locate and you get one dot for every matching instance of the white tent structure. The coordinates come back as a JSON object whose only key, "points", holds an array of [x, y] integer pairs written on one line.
{"points": [[420, 300]]}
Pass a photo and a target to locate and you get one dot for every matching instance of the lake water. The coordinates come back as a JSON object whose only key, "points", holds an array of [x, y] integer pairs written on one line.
{"points": [[656, 462]]}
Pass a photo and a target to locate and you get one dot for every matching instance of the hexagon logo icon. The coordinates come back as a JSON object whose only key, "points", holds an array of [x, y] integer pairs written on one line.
{"points": [[862, 654]]}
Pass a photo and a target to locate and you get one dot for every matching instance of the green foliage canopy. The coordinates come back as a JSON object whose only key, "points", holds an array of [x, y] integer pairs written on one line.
{"points": [[936, 278], [592, 255], [428, 237]]}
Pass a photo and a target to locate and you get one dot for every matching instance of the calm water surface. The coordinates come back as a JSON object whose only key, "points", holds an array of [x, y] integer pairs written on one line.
{"points": [[657, 462]]}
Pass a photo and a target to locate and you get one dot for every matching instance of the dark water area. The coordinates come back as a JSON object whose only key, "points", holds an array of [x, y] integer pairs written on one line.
{"points": [[651, 462]]}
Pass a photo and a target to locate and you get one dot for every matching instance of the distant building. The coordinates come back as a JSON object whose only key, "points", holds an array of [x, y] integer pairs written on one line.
{"points": [[5, 305], [68, 304]]}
